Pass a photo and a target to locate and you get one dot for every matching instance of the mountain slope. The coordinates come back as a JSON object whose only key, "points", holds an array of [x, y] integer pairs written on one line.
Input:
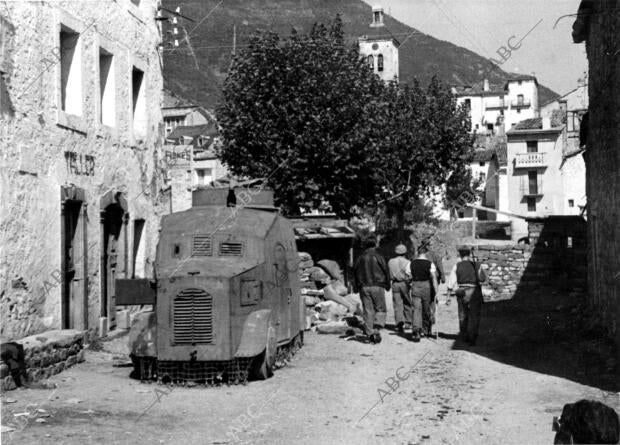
{"points": [[196, 70]]}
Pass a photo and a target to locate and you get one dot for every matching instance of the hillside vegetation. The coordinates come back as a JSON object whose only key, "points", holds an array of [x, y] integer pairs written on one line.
{"points": [[197, 70]]}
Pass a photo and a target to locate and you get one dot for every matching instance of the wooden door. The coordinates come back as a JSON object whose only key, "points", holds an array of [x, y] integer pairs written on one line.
{"points": [[74, 265], [114, 261]]}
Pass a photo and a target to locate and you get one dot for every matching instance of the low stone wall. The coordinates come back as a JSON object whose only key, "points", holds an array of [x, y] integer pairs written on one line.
{"points": [[47, 354], [492, 230], [512, 268]]}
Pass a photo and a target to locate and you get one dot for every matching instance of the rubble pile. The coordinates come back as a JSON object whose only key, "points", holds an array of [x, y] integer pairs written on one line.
{"points": [[47, 354]]}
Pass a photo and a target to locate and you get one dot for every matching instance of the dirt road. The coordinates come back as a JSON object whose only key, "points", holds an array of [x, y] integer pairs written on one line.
{"points": [[505, 390]]}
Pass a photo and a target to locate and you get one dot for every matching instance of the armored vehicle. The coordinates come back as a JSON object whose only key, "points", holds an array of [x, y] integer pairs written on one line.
{"points": [[226, 296]]}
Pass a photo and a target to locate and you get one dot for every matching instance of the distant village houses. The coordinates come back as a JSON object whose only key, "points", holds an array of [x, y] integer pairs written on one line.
{"points": [[527, 158], [191, 160], [494, 107]]}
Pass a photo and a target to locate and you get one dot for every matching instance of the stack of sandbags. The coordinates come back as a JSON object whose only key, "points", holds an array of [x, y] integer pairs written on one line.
{"points": [[305, 263], [330, 311], [310, 294]]}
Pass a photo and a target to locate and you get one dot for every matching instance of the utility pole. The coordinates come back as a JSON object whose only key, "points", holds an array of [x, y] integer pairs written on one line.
{"points": [[234, 50]]}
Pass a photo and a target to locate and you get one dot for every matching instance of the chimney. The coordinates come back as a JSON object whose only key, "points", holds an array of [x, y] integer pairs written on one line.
{"points": [[546, 123], [501, 126], [486, 85]]}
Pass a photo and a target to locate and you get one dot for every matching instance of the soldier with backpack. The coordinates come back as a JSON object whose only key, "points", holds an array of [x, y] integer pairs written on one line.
{"points": [[465, 282]]}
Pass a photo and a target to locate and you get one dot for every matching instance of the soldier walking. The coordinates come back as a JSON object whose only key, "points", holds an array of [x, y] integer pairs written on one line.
{"points": [[465, 281], [372, 279], [423, 287], [401, 276]]}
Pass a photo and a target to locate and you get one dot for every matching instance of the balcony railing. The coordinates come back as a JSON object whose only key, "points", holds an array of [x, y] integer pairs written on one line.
{"points": [[517, 104], [530, 160], [500, 105]]}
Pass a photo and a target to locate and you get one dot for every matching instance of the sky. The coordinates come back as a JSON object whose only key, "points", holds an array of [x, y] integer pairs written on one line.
{"points": [[485, 26]]}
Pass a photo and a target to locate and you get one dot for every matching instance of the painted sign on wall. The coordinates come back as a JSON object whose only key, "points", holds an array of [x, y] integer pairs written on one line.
{"points": [[80, 164]]}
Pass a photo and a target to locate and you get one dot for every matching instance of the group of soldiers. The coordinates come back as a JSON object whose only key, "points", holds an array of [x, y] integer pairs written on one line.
{"points": [[415, 286]]}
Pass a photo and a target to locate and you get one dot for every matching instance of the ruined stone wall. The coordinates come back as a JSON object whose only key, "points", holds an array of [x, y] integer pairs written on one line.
{"points": [[42, 149], [46, 355], [520, 268], [603, 161]]}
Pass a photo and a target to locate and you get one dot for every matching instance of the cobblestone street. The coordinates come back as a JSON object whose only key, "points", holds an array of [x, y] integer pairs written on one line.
{"points": [[395, 392]]}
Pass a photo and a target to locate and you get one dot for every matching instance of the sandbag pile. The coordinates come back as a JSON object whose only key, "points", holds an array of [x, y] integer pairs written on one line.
{"points": [[326, 316], [303, 268]]}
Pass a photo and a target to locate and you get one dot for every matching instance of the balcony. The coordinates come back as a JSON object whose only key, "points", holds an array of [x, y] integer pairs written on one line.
{"points": [[518, 105], [495, 105], [530, 160]]}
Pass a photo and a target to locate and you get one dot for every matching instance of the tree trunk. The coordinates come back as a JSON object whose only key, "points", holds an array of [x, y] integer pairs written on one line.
{"points": [[400, 224]]}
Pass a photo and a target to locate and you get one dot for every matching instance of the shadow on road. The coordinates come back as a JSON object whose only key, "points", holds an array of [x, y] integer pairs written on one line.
{"points": [[545, 331]]}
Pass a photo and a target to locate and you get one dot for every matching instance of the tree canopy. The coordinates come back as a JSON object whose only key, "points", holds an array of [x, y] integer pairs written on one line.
{"points": [[308, 114], [296, 111]]}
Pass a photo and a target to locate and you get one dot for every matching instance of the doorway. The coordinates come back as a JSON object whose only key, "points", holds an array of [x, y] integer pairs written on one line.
{"points": [[114, 219], [74, 259]]}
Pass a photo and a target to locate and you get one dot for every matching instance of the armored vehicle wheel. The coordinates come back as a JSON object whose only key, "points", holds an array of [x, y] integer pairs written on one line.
{"points": [[298, 342], [263, 364]]}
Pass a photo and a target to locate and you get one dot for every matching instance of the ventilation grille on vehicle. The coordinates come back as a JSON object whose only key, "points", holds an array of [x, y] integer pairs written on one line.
{"points": [[193, 317], [231, 249], [202, 245]]}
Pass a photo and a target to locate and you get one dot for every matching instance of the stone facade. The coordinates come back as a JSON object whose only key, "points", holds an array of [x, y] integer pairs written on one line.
{"points": [[598, 25], [520, 268], [80, 139]]}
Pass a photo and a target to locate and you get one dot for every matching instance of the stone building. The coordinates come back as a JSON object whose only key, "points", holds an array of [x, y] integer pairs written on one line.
{"points": [[192, 162], [178, 112], [493, 107], [597, 25], [380, 48], [80, 140], [535, 160]]}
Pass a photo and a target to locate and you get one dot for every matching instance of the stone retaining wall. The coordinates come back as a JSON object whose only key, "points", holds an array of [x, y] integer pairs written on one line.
{"points": [[47, 354], [513, 268]]}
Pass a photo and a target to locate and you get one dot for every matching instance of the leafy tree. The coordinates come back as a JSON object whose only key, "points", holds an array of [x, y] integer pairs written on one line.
{"points": [[297, 111], [461, 189], [308, 114], [424, 137]]}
